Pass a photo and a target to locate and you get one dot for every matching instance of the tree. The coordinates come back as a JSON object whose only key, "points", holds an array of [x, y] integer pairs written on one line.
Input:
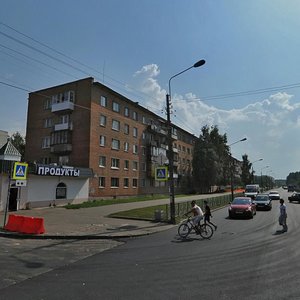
{"points": [[210, 159], [19, 142], [246, 167]]}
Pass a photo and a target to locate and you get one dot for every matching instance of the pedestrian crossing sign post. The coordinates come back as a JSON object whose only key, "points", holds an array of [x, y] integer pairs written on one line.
{"points": [[161, 173], [20, 171]]}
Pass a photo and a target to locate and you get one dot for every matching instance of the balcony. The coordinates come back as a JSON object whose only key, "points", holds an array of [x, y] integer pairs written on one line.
{"points": [[61, 148], [63, 126], [157, 129], [62, 106]]}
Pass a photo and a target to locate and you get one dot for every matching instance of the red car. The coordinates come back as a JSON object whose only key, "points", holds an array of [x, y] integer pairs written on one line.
{"points": [[242, 207]]}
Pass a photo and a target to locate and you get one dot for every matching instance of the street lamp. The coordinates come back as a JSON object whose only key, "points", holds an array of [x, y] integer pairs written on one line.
{"points": [[242, 140], [170, 142], [261, 180], [252, 168], [232, 166]]}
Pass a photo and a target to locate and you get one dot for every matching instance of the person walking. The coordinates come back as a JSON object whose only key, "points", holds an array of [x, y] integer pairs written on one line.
{"points": [[283, 216], [207, 215]]}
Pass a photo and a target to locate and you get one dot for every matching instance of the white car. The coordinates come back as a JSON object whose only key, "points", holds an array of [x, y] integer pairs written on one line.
{"points": [[274, 195]]}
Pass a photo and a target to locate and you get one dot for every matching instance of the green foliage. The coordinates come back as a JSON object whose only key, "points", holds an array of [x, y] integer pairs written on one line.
{"points": [[19, 142], [210, 159], [246, 167], [293, 179]]}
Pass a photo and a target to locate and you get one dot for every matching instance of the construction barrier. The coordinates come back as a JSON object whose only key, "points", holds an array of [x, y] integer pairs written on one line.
{"points": [[24, 224]]}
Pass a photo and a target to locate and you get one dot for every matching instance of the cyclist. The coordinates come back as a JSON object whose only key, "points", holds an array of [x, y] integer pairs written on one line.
{"points": [[197, 212], [207, 215]]}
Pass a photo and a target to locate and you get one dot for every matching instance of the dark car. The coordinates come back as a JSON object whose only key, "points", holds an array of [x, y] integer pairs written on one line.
{"points": [[263, 201], [242, 207], [294, 197]]}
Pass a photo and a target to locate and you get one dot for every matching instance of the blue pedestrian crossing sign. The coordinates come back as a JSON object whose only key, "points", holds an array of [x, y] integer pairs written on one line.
{"points": [[20, 171], [161, 173]]}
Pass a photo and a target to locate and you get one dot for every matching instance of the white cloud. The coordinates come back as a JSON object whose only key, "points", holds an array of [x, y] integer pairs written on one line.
{"points": [[268, 124]]}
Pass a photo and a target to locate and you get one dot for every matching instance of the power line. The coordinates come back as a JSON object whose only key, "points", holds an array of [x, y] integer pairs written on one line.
{"points": [[240, 94], [123, 84]]}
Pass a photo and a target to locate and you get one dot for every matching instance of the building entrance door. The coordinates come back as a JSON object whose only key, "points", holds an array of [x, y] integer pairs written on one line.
{"points": [[13, 196]]}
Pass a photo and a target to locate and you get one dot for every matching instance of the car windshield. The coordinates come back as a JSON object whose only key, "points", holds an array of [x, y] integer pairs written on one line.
{"points": [[262, 198], [241, 201], [251, 190], [273, 193]]}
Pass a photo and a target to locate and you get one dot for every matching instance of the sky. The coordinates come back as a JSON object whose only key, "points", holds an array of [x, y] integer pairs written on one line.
{"points": [[248, 87]]}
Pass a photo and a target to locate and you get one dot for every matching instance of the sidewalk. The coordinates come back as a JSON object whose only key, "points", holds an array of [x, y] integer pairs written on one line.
{"points": [[93, 223]]}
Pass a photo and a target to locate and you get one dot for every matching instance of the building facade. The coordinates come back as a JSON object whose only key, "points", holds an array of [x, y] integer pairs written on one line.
{"points": [[88, 125]]}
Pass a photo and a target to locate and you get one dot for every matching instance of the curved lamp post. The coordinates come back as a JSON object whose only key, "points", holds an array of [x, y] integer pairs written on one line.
{"points": [[232, 167], [252, 172], [261, 179], [170, 142]]}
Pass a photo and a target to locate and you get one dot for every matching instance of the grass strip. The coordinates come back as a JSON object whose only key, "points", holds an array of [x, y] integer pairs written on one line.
{"points": [[102, 202]]}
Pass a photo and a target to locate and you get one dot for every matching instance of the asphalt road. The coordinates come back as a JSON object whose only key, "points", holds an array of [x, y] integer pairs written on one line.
{"points": [[245, 259]]}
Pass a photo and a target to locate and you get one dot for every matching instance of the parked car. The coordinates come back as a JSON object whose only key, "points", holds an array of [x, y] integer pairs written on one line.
{"points": [[263, 201], [294, 197], [242, 207], [274, 195]]}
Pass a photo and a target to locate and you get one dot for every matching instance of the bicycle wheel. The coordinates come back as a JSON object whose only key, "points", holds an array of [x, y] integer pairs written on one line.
{"points": [[184, 230], [206, 231]]}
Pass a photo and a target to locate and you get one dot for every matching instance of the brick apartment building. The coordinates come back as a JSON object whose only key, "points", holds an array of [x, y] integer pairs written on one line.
{"points": [[88, 125]]}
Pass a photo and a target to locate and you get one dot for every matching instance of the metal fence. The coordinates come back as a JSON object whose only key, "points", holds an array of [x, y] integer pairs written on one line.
{"points": [[182, 207]]}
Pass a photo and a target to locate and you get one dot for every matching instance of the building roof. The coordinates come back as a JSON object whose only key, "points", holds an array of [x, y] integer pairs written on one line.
{"points": [[9, 152]]}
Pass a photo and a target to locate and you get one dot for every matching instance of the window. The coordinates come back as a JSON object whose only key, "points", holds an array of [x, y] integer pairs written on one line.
{"points": [[135, 132], [115, 144], [102, 161], [115, 163], [144, 120], [143, 167], [101, 182], [115, 125], [47, 104], [103, 120], [134, 115], [126, 182], [126, 128], [102, 140], [114, 183], [126, 146], [63, 160], [103, 101], [135, 165], [64, 119], [143, 182], [143, 135], [126, 164], [116, 107], [134, 183], [188, 150], [143, 151], [183, 148], [46, 160], [135, 149], [46, 142], [60, 137], [48, 123], [126, 112], [61, 191]]}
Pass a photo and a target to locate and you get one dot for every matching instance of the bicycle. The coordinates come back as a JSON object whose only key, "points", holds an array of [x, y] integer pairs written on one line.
{"points": [[187, 226]]}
